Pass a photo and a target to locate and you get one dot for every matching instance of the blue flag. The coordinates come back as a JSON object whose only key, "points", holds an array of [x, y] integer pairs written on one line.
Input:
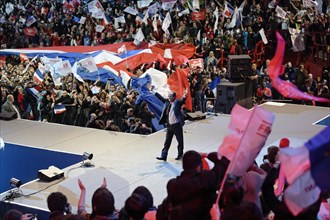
{"points": [[319, 156], [76, 19], [213, 85]]}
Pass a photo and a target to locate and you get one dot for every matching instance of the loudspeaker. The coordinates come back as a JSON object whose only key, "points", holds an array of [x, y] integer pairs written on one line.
{"points": [[193, 116], [229, 93], [239, 67], [8, 115]]}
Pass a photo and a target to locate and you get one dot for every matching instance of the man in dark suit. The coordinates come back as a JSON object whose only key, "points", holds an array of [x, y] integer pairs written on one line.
{"points": [[174, 119]]}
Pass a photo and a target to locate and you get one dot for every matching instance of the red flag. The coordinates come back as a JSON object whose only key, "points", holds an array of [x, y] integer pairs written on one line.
{"points": [[287, 89], [2, 61], [178, 82], [31, 32]]}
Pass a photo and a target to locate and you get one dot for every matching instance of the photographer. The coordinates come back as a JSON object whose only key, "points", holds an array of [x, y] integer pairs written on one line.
{"points": [[271, 158], [140, 128]]}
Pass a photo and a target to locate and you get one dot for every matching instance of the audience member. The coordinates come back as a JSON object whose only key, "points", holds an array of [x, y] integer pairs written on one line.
{"points": [[14, 214], [58, 205], [103, 203], [192, 194]]}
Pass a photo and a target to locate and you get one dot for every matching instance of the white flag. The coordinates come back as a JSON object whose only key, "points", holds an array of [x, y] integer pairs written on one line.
{"points": [[195, 4], [89, 64], [216, 14], [121, 19], [295, 162], [184, 12], [263, 36], [95, 90], [153, 9], [191, 8], [122, 50], [234, 18], [125, 78], [9, 8], [83, 67], [158, 81], [309, 3], [62, 68], [49, 62], [167, 22], [198, 37], [22, 20], [168, 54], [271, 4], [155, 24], [168, 5], [99, 28], [82, 20], [143, 3], [138, 37], [301, 194], [98, 14], [239, 119], [280, 12], [131, 11], [118, 20], [241, 7], [145, 18], [95, 6], [253, 139]]}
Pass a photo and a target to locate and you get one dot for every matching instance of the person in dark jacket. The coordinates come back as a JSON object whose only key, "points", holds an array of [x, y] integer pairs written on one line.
{"points": [[174, 119], [192, 194]]}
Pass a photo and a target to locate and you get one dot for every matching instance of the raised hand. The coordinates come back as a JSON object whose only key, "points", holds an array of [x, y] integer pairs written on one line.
{"points": [[81, 185], [104, 184], [185, 92]]}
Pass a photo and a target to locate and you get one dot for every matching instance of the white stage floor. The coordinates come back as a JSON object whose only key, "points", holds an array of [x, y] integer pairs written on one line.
{"points": [[128, 160]]}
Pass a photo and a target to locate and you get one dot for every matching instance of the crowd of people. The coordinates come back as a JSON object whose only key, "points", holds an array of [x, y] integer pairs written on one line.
{"points": [[191, 195], [113, 108]]}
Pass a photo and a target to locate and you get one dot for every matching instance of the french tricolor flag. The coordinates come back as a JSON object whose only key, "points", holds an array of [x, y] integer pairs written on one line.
{"points": [[38, 76], [228, 11], [59, 109], [32, 91], [306, 170]]}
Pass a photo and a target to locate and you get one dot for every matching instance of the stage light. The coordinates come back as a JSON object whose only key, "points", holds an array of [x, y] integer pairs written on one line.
{"points": [[15, 191], [87, 156], [15, 182]]}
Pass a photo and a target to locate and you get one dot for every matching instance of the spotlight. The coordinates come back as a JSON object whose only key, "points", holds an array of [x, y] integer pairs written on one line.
{"points": [[15, 191], [87, 156], [15, 183]]}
